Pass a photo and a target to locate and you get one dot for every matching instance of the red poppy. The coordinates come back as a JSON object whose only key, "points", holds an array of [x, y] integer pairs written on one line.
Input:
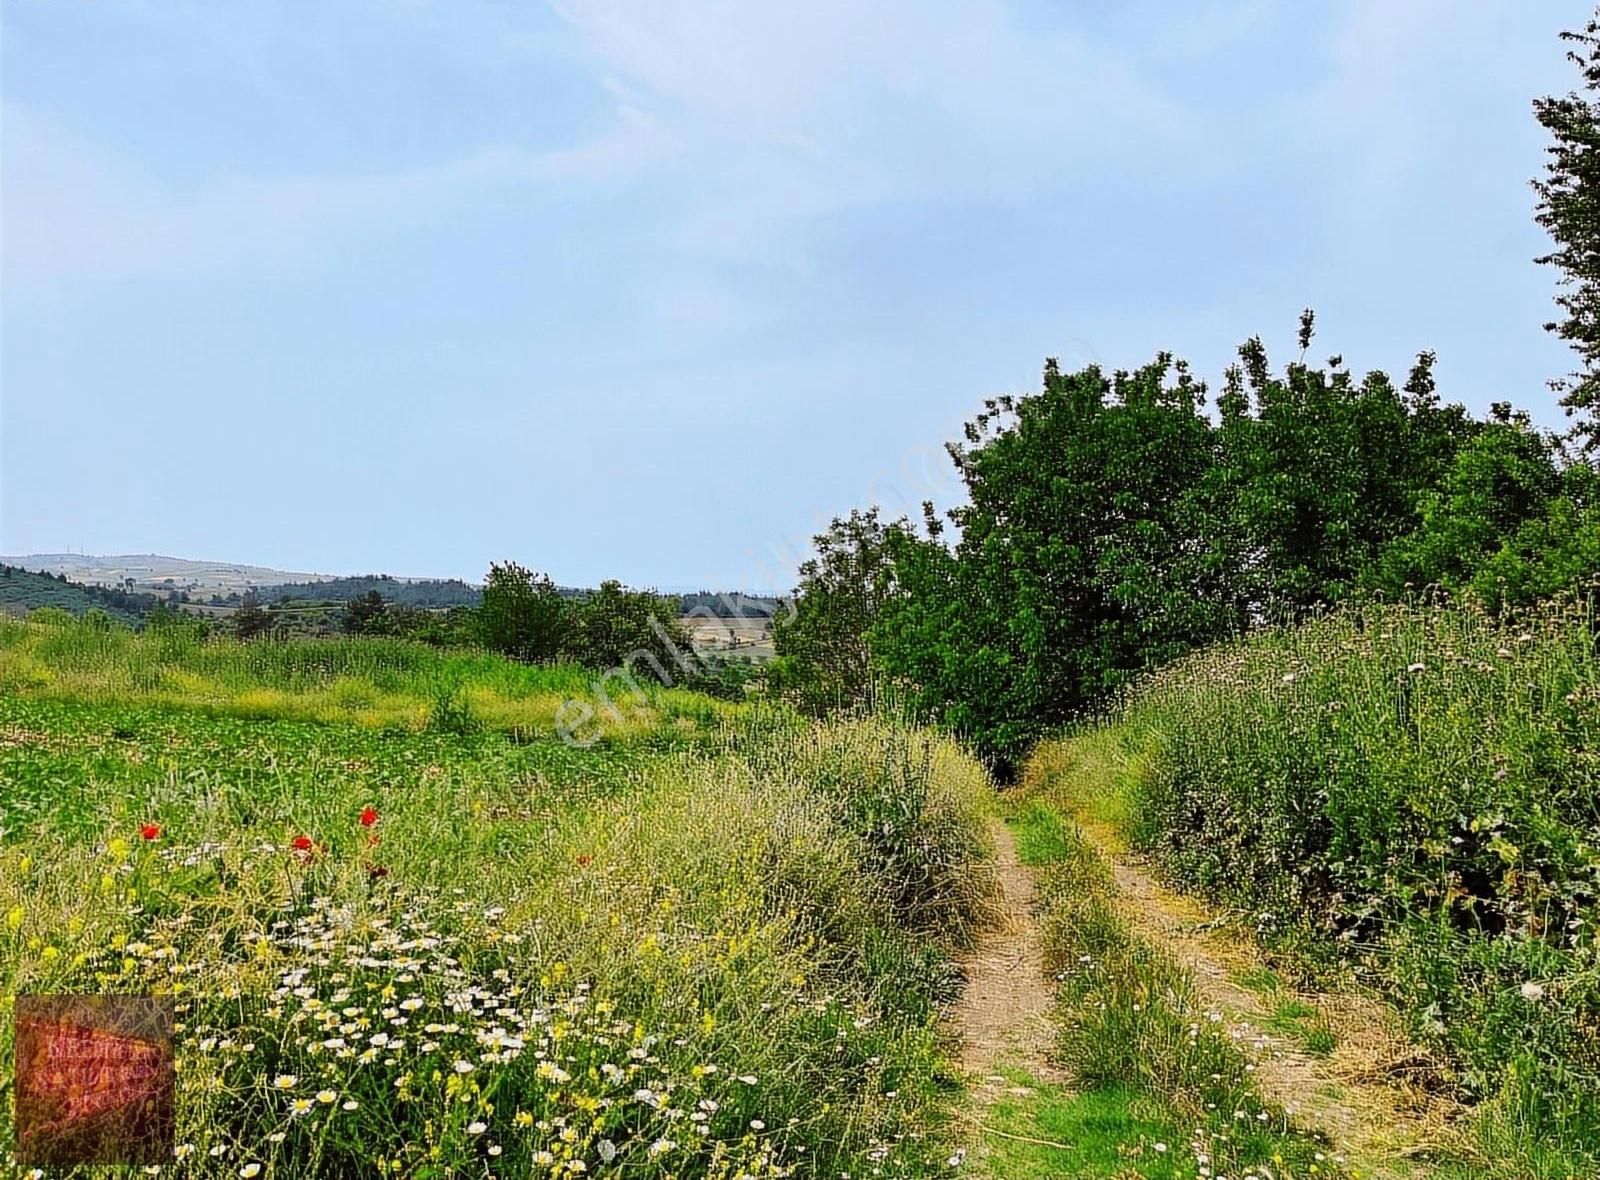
{"points": [[369, 816], [150, 832], [376, 871], [584, 858], [301, 843]]}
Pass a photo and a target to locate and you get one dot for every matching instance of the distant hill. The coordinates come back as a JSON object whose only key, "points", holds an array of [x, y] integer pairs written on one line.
{"points": [[419, 592], [152, 571], [22, 591], [729, 605], [225, 583]]}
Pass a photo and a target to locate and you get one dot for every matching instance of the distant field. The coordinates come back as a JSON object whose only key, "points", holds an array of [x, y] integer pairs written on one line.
{"points": [[732, 637], [151, 571]]}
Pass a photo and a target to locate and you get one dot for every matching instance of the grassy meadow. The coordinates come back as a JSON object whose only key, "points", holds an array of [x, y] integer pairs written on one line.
{"points": [[367, 681], [1400, 798], [408, 932], [411, 931]]}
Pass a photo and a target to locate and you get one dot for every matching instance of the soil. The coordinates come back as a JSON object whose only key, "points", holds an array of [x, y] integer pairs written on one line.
{"points": [[1361, 1095], [1003, 1015]]}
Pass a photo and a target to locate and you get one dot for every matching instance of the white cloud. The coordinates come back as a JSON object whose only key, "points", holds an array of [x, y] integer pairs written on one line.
{"points": [[70, 210], [900, 98], [795, 113]]}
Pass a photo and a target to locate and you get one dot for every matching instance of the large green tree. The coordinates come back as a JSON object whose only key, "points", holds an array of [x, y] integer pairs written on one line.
{"points": [[1320, 471], [824, 658], [1086, 550], [1111, 524]]}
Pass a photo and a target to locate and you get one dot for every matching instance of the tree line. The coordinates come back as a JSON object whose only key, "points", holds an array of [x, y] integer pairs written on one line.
{"points": [[1112, 524], [416, 592], [524, 615]]}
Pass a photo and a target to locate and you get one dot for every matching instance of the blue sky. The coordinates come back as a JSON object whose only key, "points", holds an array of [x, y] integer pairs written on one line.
{"points": [[651, 291]]}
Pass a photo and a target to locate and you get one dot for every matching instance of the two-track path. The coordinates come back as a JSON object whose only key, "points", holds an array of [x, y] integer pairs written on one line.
{"points": [[1360, 1095]]}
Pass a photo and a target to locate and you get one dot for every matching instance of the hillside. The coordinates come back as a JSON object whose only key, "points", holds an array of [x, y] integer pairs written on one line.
{"points": [[156, 571], [22, 591]]}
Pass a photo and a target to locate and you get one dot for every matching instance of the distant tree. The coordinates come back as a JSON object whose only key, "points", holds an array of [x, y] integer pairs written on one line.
{"points": [[363, 615], [614, 628], [1569, 210], [824, 654], [522, 615], [251, 621], [161, 615], [165, 619], [426, 592]]}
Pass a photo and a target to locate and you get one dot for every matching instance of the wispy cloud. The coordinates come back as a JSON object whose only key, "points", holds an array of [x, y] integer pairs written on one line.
{"points": [[75, 210]]}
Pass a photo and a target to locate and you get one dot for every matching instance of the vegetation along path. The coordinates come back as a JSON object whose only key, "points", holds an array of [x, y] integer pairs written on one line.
{"points": [[1335, 1062]]}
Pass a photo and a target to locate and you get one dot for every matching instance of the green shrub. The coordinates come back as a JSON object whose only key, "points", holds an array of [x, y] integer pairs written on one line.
{"points": [[450, 712]]}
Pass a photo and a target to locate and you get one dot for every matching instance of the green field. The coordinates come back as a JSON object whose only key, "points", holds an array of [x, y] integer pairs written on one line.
{"points": [[712, 943]]}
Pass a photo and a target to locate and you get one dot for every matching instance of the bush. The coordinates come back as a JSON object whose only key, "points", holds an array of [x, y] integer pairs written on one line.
{"points": [[522, 614], [450, 712]]}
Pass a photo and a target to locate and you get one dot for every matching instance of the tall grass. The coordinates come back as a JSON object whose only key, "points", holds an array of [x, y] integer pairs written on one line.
{"points": [[1415, 790], [728, 967], [368, 680]]}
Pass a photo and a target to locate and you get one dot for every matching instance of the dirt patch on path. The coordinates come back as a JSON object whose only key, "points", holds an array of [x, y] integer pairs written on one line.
{"points": [[1358, 1094], [1003, 1016]]}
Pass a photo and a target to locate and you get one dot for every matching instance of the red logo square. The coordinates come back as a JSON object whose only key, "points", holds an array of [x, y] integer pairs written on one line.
{"points": [[94, 1080]]}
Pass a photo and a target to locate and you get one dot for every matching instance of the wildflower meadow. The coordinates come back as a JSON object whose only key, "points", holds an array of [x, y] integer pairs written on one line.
{"points": [[712, 944]]}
